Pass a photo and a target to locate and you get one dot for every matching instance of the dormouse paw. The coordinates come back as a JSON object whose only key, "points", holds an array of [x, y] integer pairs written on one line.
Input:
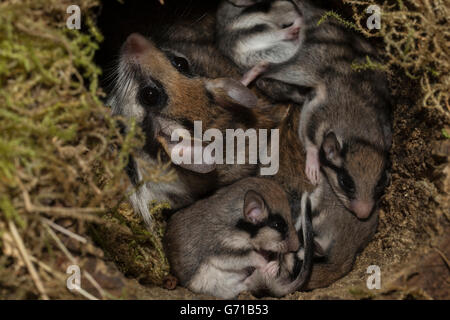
{"points": [[259, 261], [312, 172], [271, 269], [312, 168], [254, 73]]}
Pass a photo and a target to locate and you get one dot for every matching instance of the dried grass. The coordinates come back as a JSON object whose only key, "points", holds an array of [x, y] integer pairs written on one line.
{"points": [[416, 38], [62, 155]]}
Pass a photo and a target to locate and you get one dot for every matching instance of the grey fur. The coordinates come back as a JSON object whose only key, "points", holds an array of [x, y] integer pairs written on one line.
{"points": [[210, 254], [354, 106], [254, 39], [339, 235], [288, 279]]}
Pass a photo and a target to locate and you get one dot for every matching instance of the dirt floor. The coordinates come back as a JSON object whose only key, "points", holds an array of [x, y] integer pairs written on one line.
{"points": [[120, 260]]}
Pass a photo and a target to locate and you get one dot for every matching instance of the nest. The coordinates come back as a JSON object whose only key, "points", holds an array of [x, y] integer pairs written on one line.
{"points": [[62, 159]]}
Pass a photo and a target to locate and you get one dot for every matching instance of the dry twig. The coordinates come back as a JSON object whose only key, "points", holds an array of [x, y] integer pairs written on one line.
{"points": [[26, 258]]}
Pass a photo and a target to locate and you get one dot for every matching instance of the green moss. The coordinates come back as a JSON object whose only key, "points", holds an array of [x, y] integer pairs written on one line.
{"points": [[369, 65], [10, 213], [347, 24], [360, 294], [415, 41], [445, 134], [59, 145]]}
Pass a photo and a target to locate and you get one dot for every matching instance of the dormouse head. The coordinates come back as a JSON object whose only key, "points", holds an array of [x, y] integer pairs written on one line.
{"points": [[356, 171], [246, 3], [158, 89], [270, 227], [266, 14]]}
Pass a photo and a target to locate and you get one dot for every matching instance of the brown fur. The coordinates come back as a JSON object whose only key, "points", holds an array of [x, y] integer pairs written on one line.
{"points": [[292, 158], [291, 175], [207, 250], [207, 61]]}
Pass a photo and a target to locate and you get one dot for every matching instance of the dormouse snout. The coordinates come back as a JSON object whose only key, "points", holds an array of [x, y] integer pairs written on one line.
{"points": [[362, 208]]}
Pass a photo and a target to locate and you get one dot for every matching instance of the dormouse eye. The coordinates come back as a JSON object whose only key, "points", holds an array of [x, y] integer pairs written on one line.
{"points": [[149, 96], [181, 64], [346, 183], [383, 183], [278, 224], [286, 25]]}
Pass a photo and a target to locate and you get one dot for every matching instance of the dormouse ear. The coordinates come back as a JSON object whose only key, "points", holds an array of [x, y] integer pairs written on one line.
{"points": [[331, 147], [318, 250], [255, 210], [228, 92]]}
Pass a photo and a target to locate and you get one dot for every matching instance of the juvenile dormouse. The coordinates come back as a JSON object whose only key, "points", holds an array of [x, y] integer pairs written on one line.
{"points": [[158, 89], [258, 34], [345, 122], [291, 271], [215, 245], [338, 236]]}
